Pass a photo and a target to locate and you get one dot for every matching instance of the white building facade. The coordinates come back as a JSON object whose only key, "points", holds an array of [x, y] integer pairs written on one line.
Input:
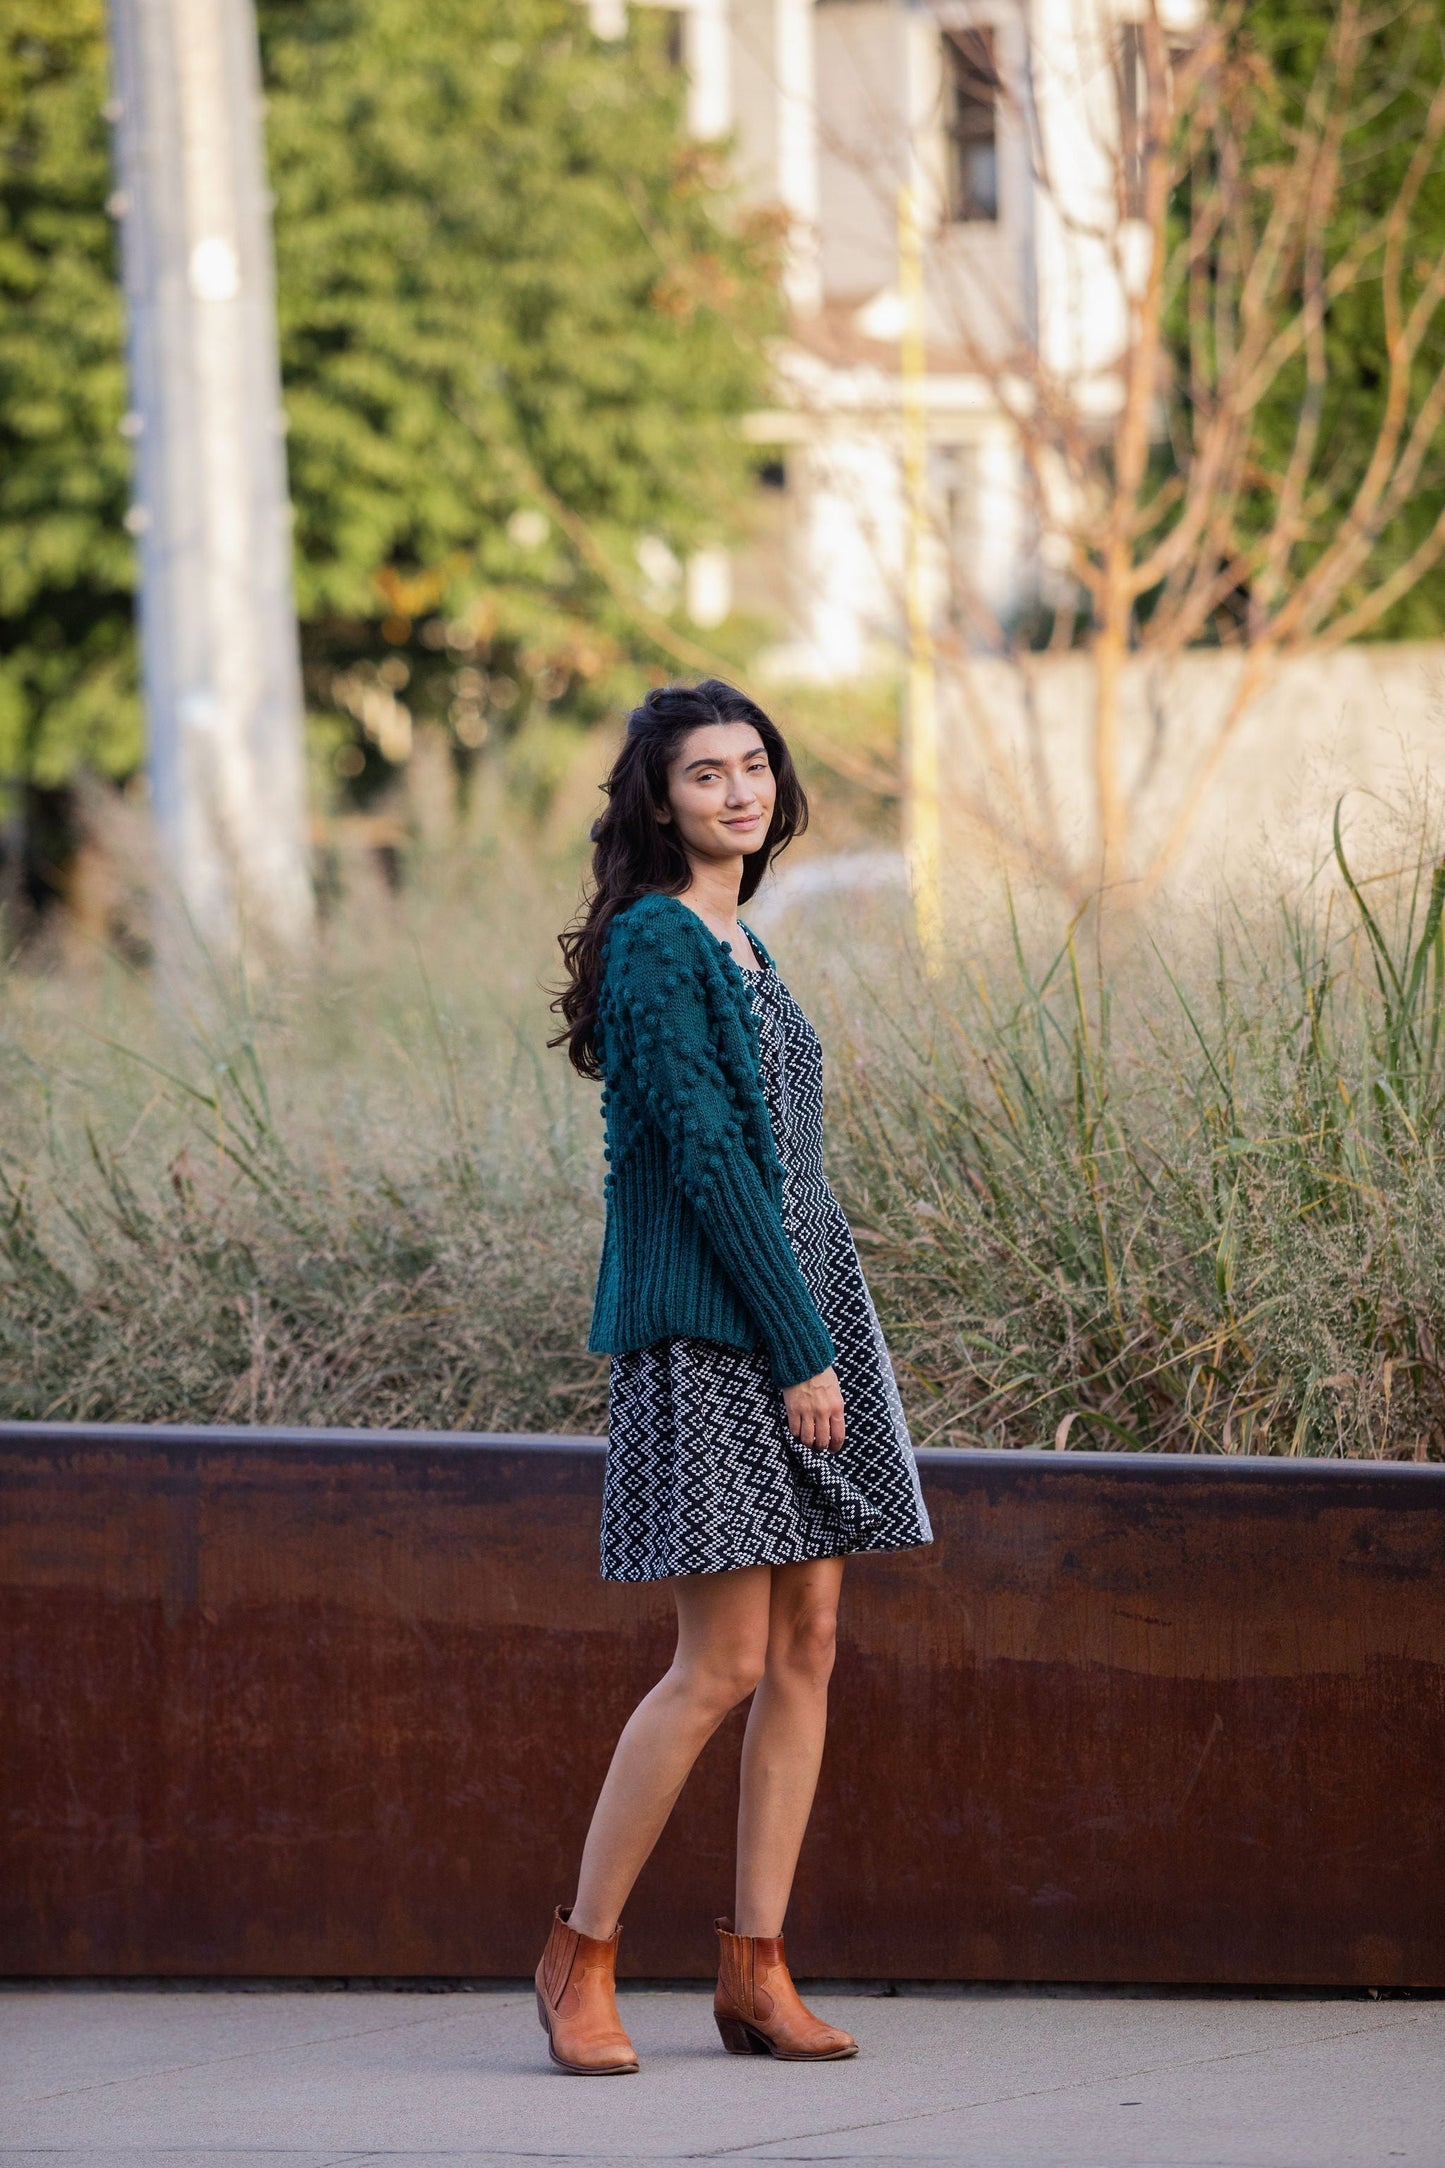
{"points": [[1007, 121]]}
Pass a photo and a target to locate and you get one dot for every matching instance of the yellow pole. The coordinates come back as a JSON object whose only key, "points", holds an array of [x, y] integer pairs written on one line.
{"points": [[922, 838]]}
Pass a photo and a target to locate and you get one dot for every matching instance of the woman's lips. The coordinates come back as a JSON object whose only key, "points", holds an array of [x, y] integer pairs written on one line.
{"points": [[746, 820]]}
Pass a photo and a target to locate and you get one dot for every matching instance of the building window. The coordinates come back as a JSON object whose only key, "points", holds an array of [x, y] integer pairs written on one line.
{"points": [[1131, 80], [970, 89], [1131, 85]]}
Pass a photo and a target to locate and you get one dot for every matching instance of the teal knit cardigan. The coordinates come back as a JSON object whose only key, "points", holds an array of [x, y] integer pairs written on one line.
{"points": [[694, 1240]]}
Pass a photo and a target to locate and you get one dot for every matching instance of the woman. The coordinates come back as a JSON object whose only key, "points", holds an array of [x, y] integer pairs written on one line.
{"points": [[755, 1433]]}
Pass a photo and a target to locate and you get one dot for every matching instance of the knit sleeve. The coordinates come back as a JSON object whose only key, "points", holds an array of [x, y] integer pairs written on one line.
{"points": [[681, 1077]]}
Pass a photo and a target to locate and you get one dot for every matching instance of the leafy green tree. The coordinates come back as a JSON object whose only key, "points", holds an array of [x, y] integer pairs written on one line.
{"points": [[1294, 62], [520, 316], [519, 322], [67, 670]]}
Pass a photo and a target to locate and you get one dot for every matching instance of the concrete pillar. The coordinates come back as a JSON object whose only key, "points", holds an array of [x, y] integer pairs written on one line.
{"points": [[797, 148], [709, 586], [851, 550], [211, 515], [707, 46], [1082, 323]]}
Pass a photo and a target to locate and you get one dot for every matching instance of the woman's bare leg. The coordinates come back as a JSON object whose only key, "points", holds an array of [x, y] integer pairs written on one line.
{"points": [[783, 1744], [723, 1631]]}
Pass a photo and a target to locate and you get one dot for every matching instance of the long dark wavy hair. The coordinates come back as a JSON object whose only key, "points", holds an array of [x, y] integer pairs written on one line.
{"points": [[634, 854]]}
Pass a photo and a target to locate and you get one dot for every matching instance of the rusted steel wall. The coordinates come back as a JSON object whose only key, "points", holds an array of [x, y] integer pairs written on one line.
{"points": [[338, 1703]]}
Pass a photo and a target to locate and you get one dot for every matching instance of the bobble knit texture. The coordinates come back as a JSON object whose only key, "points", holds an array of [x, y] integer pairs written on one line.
{"points": [[694, 1241]]}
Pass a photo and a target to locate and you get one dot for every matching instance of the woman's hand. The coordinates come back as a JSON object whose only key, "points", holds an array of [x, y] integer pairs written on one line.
{"points": [[815, 1411]]}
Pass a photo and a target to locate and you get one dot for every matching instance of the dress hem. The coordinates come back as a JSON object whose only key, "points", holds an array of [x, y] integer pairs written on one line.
{"points": [[788, 1558]]}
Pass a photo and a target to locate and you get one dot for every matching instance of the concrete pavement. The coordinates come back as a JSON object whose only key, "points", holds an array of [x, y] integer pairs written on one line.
{"points": [[105, 2078]]}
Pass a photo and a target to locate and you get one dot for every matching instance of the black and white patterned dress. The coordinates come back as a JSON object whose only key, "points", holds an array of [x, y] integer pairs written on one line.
{"points": [[703, 1473]]}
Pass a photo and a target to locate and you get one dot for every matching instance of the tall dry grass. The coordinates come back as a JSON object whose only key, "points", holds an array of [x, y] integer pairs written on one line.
{"points": [[1190, 1202], [1189, 1199], [365, 1196]]}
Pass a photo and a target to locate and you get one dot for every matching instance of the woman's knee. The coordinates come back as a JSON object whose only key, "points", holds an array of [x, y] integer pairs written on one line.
{"points": [[718, 1683], [802, 1645]]}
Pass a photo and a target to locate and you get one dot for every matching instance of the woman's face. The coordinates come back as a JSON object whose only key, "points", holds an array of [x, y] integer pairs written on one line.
{"points": [[720, 791]]}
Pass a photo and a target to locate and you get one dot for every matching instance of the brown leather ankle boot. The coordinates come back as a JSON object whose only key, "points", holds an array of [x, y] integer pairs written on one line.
{"points": [[758, 2009], [575, 2002]]}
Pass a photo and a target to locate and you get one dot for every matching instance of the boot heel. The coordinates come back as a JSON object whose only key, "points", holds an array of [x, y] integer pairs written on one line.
{"points": [[542, 2015], [737, 2039]]}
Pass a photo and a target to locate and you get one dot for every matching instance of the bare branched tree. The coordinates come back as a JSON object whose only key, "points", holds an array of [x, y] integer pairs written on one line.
{"points": [[1213, 219]]}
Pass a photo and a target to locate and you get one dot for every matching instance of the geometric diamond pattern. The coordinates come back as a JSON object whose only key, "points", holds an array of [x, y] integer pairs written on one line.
{"points": [[703, 1473]]}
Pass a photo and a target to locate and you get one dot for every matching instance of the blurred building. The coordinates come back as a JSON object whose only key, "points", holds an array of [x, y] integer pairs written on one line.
{"points": [[1011, 120]]}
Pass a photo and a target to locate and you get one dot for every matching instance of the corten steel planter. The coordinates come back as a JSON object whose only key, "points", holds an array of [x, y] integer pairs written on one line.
{"points": [[330, 1702]]}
